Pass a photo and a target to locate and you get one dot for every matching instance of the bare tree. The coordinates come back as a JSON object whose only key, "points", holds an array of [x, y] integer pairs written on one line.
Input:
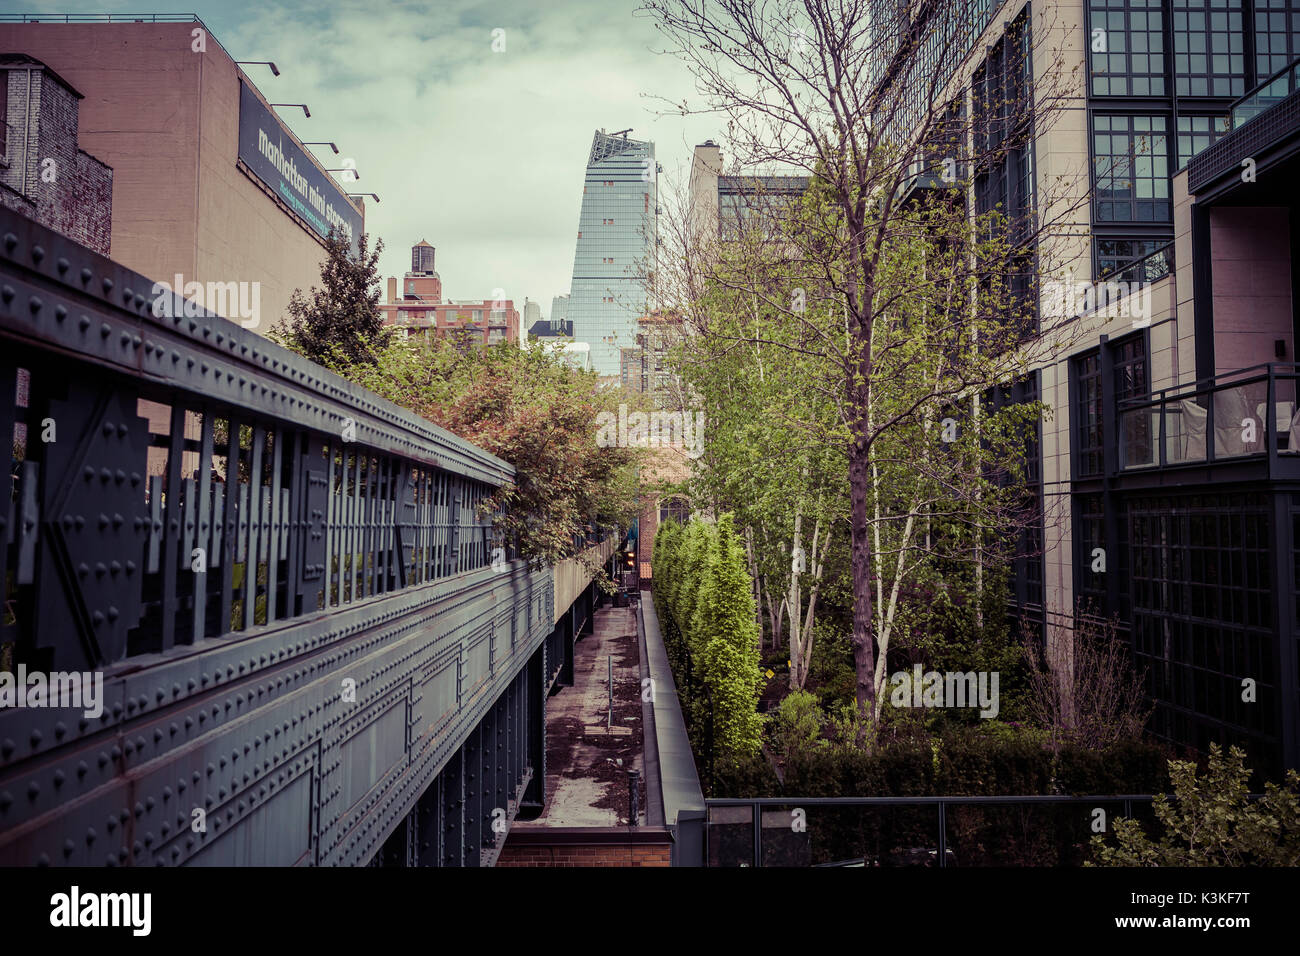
{"points": [[939, 290], [1093, 698]]}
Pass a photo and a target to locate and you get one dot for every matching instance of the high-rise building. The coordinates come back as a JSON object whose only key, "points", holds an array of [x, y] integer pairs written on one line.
{"points": [[1168, 472], [532, 313], [559, 309], [617, 236]]}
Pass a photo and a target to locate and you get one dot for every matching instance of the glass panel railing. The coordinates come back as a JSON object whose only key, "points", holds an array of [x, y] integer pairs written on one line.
{"points": [[1269, 93], [1239, 415]]}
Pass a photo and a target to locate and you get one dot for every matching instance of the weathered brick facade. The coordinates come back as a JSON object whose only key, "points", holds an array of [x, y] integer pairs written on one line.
{"points": [[45, 175]]}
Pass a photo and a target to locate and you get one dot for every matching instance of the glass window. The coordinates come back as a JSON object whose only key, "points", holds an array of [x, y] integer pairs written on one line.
{"points": [[1195, 133], [1114, 255], [1086, 370], [1209, 48], [1277, 36], [1128, 57], [1131, 169]]}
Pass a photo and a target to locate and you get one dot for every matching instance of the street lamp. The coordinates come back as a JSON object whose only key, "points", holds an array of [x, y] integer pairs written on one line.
{"points": [[275, 71], [330, 145], [303, 105]]}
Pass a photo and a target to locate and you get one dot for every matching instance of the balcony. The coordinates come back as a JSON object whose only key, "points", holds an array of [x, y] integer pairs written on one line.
{"points": [[1265, 124], [1247, 420]]}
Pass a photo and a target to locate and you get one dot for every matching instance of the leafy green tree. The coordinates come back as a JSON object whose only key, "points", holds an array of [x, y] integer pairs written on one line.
{"points": [[1210, 821], [910, 304], [339, 323], [536, 412], [725, 638], [798, 724]]}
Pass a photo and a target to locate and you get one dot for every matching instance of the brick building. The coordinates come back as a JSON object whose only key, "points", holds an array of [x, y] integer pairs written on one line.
{"points": [[420, 308], [44, 174]]}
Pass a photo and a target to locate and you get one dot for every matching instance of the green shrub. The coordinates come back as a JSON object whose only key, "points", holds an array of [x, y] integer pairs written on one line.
{"points": [[1210, 821]]}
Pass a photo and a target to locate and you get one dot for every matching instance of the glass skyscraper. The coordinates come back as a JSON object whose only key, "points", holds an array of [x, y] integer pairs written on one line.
{"points": [[616, 241]]}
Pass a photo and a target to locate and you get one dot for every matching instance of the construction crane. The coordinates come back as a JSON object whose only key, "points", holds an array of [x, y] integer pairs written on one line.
{"points": [[622, 132]]}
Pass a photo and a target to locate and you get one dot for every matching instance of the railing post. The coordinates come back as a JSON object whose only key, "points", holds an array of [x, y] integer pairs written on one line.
{"points": [[943, 834], [756, 819], [1270, 421]]}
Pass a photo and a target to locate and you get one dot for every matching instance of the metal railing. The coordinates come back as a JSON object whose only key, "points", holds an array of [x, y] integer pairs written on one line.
{"points": [[277, 583], [1153, 266], [99, 18], [939, 831], [1262, 118], [1249, 413], [177, 478]]}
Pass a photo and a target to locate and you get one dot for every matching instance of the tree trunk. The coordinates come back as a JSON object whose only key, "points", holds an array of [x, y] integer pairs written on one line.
{"points": [[864, 663]]}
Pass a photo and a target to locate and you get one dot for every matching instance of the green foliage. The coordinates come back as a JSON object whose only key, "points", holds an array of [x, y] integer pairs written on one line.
{"points": [[798, 724], [536, 412], [705, 603], [339, 324], [1210, 821]]}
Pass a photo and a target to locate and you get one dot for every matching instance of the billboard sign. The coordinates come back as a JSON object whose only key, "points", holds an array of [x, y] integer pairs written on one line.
{"points": [[275, 159]]}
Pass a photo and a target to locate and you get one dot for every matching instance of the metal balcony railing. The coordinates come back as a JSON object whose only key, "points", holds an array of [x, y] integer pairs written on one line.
{"points": [[1151, 267], [1247, 414]]}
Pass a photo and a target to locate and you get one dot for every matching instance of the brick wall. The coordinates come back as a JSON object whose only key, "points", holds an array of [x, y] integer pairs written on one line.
{"points": [[53, 181], [586, 847]]}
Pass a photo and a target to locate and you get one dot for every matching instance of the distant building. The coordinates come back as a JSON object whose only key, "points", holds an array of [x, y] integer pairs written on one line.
{"points": [[44, 175], [559, 309], [617, 235], [722, 207], [577, 354], [532, 313], [419, 307], [550, 329], [643, 367]]}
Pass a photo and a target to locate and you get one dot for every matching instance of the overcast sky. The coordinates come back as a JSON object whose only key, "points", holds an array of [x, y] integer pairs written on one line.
{"points": [[480, 153]]}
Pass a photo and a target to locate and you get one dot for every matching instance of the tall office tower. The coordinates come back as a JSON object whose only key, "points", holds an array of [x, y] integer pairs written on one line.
{"points": [[1168, 472], [616, 240], [559, 310]]}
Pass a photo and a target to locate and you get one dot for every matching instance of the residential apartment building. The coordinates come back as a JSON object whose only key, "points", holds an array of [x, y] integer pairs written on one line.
{"points": [[617, 238], [1169, 468], [644, 367], [419, 307]]}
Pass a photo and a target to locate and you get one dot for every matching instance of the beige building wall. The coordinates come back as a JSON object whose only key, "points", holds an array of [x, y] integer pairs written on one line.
{"points": [[166, 118]]}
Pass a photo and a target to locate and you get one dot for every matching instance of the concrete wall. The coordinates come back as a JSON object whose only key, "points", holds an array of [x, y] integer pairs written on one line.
{"points": [[572, 577], [1250, 252], [165, 118]]}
